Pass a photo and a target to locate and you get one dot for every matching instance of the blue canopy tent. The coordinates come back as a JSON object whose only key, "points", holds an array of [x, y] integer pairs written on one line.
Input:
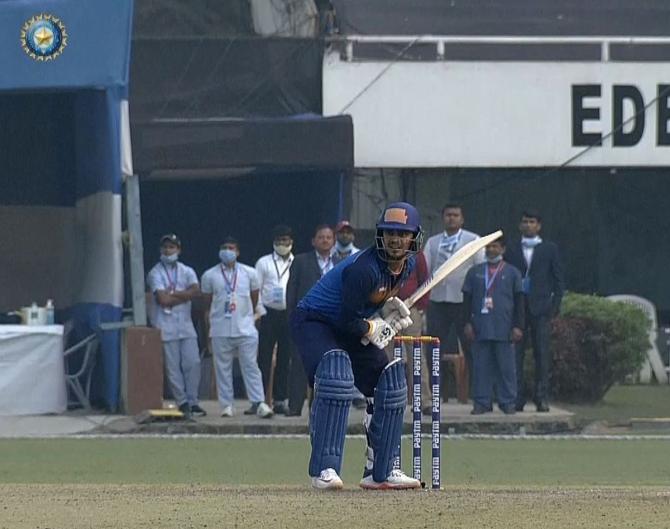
{"points": [[64, 151]]}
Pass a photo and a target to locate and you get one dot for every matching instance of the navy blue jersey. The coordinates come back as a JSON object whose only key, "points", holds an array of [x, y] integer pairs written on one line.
{"points": [[354, 290]]}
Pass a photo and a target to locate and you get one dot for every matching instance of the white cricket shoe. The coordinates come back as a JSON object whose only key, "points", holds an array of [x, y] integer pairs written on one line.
{"points": [[327, 480], [397, 480], [227, 411], [264, 411]]}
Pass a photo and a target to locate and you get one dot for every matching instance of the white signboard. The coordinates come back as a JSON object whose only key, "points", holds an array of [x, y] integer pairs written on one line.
{"points": [[502, 114]]}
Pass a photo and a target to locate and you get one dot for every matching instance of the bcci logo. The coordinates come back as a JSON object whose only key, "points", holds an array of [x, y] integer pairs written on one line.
{"points": [[43, 37]]}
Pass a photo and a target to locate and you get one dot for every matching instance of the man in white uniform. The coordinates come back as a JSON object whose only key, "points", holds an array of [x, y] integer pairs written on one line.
{"points": [[231, 295], [173, 285]]}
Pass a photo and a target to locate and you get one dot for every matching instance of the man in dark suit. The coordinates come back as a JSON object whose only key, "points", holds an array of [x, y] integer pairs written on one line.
{"points": [[306, 270], [543, 287]]}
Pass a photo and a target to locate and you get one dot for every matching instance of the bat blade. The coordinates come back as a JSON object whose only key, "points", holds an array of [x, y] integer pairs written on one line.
{"points": [[456, 260]]}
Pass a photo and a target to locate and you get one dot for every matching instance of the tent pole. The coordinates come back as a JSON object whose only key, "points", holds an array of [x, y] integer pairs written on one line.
{"points": [[136, 248]]}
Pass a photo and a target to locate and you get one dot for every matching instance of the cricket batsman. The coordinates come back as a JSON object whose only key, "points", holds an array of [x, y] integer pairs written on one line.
{"points": [[340, 329]]}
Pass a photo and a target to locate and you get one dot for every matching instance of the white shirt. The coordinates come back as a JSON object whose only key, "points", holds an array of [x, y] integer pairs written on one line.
{"points": [[174, 322], [273, 273], [235, 287], [529, 250], [325, 263], [449, 290], [528, 255]]}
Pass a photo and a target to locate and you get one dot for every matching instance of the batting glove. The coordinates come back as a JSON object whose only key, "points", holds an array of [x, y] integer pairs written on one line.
{"points": [[398, 322], [380, 332], [392, 305]]}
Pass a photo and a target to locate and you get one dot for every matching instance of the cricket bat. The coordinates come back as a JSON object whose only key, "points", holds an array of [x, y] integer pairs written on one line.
{"points": [[451, 264], [456, 260]]}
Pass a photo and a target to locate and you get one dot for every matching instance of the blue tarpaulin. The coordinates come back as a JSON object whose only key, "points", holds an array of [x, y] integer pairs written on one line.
{"points": [[65, 147]]}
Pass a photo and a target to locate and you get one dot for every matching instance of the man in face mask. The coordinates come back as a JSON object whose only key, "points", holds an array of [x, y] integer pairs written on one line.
{"points": [[231, 295], [494, 311], [173, 285], [344, 243], [273, 272]]}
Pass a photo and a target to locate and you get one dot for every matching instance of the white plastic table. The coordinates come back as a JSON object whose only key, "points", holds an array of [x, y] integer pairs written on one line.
{"points": [[32, 375]]}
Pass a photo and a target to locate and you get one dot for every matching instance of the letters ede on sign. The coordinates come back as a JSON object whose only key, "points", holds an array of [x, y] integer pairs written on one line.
{"points": [[503, 114], [584, 109]]}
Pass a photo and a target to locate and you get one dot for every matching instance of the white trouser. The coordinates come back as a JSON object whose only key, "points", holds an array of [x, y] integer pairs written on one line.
{"points": [[182, 365], [247, 349]]}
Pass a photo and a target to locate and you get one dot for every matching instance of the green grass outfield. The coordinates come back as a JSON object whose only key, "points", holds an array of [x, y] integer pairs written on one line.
{"points": [[624, 402], [496, 463]]}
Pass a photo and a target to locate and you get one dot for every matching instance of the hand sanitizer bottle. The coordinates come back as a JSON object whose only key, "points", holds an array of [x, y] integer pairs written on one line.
{"points": [[51, 319]]}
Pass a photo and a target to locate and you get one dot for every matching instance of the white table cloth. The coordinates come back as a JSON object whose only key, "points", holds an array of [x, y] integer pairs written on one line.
{"points": [[32, 374]]}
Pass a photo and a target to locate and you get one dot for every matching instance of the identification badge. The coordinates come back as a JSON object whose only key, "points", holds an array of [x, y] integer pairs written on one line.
{"points": [[525, 285], [229, 306], [487, 306], [278, 295]]}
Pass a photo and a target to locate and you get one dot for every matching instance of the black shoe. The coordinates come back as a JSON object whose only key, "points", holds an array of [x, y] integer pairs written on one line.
{"points": [[360, 403], [427, 410], [542, 406], [508, 410], [280, 408], [186, 410], [519, 407], [293, 413], [478, 410], [197, 411], [253, 409]]}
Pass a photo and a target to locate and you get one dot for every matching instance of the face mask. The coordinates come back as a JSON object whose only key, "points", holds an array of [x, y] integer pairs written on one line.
{"points": [[344, 247], [494, 260], [530, 242], [169, 259], [227, 256], [282, 249]]}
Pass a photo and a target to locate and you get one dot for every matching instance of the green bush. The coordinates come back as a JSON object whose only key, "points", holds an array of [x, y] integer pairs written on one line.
{"points": [[595, 343]]}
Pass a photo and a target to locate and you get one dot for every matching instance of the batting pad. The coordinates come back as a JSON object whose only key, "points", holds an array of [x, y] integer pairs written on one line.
{"points": [[333, 393], [387, 418]]}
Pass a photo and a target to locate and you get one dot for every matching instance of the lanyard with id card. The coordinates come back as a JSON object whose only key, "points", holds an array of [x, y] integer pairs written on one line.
{"points": [[229, 304], [277, 296], [487, 303], [172, 281]]}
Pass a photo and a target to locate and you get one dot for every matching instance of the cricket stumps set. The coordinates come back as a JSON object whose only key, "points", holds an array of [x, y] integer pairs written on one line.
{"points": [[417, 345]]}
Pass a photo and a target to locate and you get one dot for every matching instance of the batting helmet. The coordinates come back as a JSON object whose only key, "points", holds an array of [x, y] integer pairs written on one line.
{"points": [[399, 216]]}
